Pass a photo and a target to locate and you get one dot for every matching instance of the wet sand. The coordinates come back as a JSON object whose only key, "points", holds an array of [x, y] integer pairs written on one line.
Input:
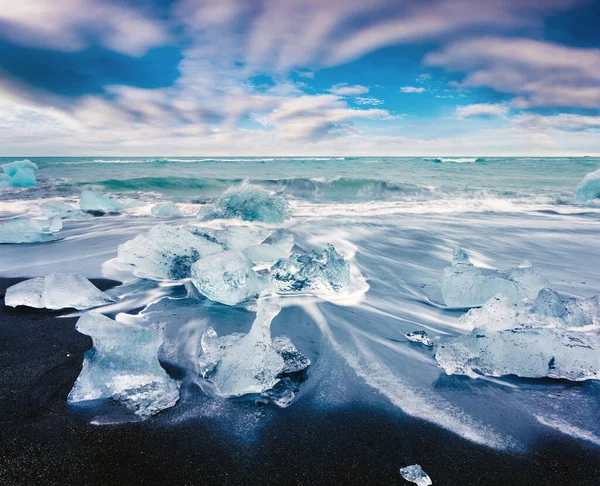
{"points": [[43, 441]]}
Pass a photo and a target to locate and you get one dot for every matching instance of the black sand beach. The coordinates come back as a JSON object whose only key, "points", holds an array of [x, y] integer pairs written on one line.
{"points": [[43, 441]]}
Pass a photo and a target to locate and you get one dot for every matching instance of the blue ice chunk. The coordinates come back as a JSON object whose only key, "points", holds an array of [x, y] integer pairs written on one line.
{"points": [[25, 230], [589, 188], [90, 201], [13, 167]]}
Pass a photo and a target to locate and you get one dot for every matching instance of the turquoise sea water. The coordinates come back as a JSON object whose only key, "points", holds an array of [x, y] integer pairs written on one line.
{"points": [[397, 220]]}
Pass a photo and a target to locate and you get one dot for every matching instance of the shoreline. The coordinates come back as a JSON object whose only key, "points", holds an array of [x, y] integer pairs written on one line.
{"points": [[43, 441]]}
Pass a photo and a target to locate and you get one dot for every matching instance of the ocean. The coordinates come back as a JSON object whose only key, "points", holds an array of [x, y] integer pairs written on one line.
{"points": [[397, 221]]}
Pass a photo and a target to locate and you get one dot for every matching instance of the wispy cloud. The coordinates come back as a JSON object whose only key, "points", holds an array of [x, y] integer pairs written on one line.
{"points": [[412, 89], [481, 110], [345, 90]]}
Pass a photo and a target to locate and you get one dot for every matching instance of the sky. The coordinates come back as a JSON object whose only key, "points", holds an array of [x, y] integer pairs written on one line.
{"points": [[300, 77]]}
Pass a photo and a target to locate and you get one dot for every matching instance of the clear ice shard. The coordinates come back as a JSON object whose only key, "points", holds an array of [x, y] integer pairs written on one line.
{"points": [[167, 252], [57, 291], [264, 253], [227, 278], [166, 210], [326, 270], [123, 366], [97, 203], [251, 203], [524, 352], [57, 209], [465, 285], [25, 230], [420, 337], [240, 364], [589, 188], [415, 474]]}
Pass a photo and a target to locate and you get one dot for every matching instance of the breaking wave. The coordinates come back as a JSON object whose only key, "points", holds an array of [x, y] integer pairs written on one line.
{"points": [[458, 160]]}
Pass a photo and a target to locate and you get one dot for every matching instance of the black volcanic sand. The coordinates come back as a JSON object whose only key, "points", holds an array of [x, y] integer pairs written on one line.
{"points": [[43, 441]]}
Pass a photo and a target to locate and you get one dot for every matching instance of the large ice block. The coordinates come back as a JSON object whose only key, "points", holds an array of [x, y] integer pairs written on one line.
{"points": [[167, 252], [465, 285], [97, 203], [57, 209], [24, 177], [56, 291], [326, 270], [227, 278], [13, 167], [166, 210], [240, 364], [25, 230], [123, 366], [589, 188]]}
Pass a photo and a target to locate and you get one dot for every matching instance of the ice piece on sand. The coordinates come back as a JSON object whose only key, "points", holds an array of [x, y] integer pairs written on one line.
{"points": [[525, 352], [57, 209], [23, 177], [589, 188], [57, 291], [97, 203], [465, 285], [166, 210], [13, 167], [420, 337], [251, 203], [415, 474], [123, 366], [264, 253], [239, 364], [24, 230], [166, 252], [227, 278], [317, 271]]}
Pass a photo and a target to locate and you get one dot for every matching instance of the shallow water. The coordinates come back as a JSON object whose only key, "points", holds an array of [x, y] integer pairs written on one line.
{"points": [[397, 220]]}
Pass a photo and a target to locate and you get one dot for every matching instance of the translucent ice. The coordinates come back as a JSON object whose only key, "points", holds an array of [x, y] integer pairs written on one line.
{"points": [[525, 352], [234, 237], [167, 252], [57, 209], [123, 366], [166, 210], [465, 285], [420, 337], [227, 278], [97, 203], [24, 177], [589, 188], [239, 364], [20, 173], [415, 474], [24, 230], [57, 291], [316, 271], [264, 253], [251, 203], [12, 168]]}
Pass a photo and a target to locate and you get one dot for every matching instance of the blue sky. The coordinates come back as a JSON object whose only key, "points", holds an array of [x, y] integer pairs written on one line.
{"points": [[291, 77]]}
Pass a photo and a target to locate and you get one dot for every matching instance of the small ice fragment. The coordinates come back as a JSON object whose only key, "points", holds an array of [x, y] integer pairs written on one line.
{"points": [[465, 285], [56, 291], [57, 209], [240, 364], [264, 253], [166, 210], [97, 203], [420, 337], [251, 203], [24, 230], [13, 167], [524, 352], [227, 278], [589, 188], [123, 366], [415, 474], [167, 252], [317, 271]]}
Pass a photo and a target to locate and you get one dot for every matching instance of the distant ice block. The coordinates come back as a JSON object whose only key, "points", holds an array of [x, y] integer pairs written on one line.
{"points": [[415, 474], [167, 252], [123, 366], [227, 278], [57, 291], [97, 203], [13, 167], [57, 209], [465, 285], [264, 253], [251, 203], [166, 210], [23, 178], [239, 364], [524, 352], [420, 337], [24, 230], [589, 188], [20, 173], [316, 271]]}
